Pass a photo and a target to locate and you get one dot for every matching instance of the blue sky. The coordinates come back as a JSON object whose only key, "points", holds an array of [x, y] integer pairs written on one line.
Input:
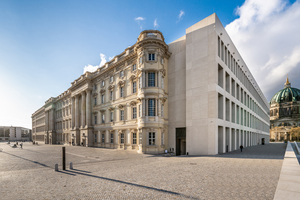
{"points": [[45, 45]]}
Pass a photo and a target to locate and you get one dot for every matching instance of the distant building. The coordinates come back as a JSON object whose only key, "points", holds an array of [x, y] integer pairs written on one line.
{"points": [[14, 133], [193, 96], [284, 112]]}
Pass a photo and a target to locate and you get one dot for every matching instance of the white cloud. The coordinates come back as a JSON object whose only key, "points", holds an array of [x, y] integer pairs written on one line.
{"points": [[181, 13], [139, 21], [139, 18], [266, 35], [93, 68], [155, 24]]}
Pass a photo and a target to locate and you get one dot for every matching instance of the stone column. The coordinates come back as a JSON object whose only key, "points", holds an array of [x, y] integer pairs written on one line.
{"points": [[99, 137], [107, 136], [159, 79], [83, 110], [143, 107], [76, 111], [46, 121], [88, 108], [143, 79], [73, 113], [116, 137]]}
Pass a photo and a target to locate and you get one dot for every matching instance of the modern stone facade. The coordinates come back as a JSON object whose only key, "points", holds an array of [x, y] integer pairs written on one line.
{"points": [[14, 133], [284, 112], [194, 96]]}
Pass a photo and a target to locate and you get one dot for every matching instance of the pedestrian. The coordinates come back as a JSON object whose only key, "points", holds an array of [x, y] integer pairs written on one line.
{"points": [[21, 145], [241, 147]]}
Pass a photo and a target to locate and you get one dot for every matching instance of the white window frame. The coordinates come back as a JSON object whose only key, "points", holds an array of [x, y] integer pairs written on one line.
{"points": [[122, 73], [151, 108], [103, 138], [103, 118], [111, 138], [121, 115], [111, 95], [103, 83], [134, 87], [102, 98], [122, 138], [111, 116], [111, 79], [121, 91], [151, 82], [95, 119], [151, 56], [134, 113], [151, 138], [95, 101], [133, 67], [133, 138]]}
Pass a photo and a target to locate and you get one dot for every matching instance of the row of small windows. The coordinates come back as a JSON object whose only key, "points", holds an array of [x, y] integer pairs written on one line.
{"points": [[235, 68], [151, 138], [236, 114], [151, 83], [237, 91], [152, 111]]}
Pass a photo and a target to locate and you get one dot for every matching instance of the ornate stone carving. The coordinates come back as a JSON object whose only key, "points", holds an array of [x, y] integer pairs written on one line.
{"points": [[132, 103], [102, 111], [111, 108], [111, 87], [121, 83], [133, 78], [102, 91], [121, 106], [163, 99]]}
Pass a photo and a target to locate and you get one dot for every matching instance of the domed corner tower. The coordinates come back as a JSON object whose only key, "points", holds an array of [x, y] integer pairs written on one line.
{"points": [[153, 54], [284, 112]]}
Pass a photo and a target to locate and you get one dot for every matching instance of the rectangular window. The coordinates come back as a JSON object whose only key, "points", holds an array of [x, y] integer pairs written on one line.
{"points": [[111, 116], [151, 79], [95, 87], [151, 107], [151, 56], [102, 83], [121, 115], [121, 91], [151, 138], [134, 67], [134, 87], [122, 138], [95, 137], [103, 138], [162, 82], [111, 79], [102, 98], [103, 118], [141, 60], [162, 138], [112, 138], [162, 110], [121, 73], [133, 138], [111, 95], [95, 119], [134, 113], [95, 101]]}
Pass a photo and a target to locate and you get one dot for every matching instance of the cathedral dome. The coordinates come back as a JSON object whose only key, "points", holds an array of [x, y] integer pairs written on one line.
{"points": [[287, 94]]}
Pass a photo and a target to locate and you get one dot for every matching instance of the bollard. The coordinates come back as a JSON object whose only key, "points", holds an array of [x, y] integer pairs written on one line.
{"points": [[71, 165], [56, 167], [64, 158]]}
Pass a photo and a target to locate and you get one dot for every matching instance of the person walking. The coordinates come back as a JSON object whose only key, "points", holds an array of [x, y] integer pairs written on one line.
{"points": [[21, 145], [241, 147]]}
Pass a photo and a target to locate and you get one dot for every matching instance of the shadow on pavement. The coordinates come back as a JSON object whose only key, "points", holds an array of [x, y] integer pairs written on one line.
{"points": [[73, 172]]}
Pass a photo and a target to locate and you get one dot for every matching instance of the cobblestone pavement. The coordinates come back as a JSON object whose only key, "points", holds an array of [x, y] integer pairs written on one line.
{"points": [[98, 173]]}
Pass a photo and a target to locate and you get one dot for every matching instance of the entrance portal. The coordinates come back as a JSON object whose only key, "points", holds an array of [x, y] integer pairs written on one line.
{"points": [[180, 141]]}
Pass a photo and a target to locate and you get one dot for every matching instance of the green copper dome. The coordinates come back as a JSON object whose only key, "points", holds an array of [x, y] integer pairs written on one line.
{"points": [[286, 95]]}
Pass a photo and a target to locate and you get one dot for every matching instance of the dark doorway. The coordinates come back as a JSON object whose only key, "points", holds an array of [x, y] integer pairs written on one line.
{"points": [[180, 141], [263, 141]]}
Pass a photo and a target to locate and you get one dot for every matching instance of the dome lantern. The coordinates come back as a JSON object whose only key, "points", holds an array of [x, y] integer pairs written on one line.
{"points": [[287, 83]]}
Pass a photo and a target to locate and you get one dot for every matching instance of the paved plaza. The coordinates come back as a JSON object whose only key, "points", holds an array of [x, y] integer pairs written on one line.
{"points": [[98, 173]]}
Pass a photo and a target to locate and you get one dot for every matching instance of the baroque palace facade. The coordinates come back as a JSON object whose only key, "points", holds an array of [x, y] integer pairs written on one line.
{"points": [[194, 96]]}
